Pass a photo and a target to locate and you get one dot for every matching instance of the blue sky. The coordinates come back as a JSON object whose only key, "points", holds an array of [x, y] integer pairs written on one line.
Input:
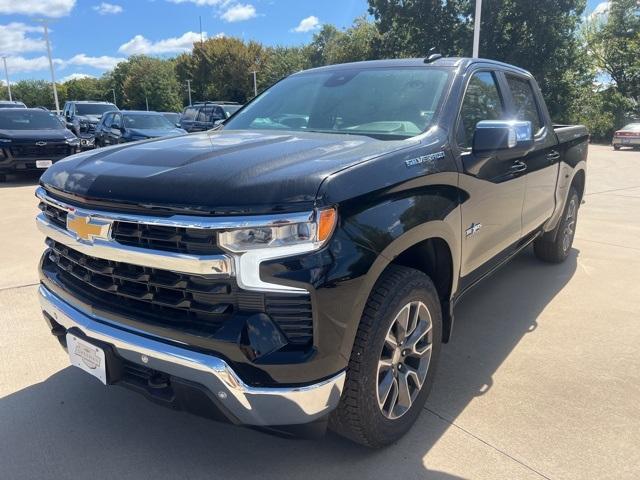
{"points": [[88, 37]]}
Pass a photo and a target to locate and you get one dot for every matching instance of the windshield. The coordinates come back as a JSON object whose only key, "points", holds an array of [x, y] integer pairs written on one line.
{"points": [[94, 108], [29, 120], [147, 121], [380, 102]]}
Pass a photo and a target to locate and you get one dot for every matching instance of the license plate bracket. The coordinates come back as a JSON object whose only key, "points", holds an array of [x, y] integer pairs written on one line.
{"points": [[87, 357]]}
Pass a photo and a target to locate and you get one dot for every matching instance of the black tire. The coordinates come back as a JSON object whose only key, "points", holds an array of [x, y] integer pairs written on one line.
{"points": [[359, 415], [616, 147], [3, 178], [557, 250]]}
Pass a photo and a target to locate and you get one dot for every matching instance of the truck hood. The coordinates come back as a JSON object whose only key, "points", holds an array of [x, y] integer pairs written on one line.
{"points": [[217, 172], [46, 135]]}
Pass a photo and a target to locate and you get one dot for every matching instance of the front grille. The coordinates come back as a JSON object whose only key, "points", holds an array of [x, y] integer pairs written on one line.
{"points": [[173, 239], [88, 127], [156, 237], [189, 303], [49, 150]]}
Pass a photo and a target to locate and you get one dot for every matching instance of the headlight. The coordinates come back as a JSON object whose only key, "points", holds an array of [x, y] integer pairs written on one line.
{"points": [[72, 141], [5, 140], [314, 233], [253, 245]]}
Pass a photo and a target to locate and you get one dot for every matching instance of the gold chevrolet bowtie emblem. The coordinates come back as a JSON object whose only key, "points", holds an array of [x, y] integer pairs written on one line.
{"points": [[87, 228]]}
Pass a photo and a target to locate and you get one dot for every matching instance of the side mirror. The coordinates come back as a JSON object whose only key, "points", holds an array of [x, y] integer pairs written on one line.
{"points": [[511, 135]]}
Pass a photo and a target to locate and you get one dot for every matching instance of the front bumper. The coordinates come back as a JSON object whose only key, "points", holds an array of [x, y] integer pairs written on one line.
{"points": [[240, 403], [27, 164]]}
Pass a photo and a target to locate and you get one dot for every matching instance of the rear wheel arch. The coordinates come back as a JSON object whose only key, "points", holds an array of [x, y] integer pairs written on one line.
{"points": [[578, 183]]}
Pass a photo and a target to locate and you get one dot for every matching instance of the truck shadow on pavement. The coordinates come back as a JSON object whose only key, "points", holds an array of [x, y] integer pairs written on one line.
{"points": [[70, 426], [21, 180]]}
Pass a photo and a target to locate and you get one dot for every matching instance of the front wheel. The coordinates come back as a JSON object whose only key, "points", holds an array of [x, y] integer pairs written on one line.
{"points": [[616, 147], [393, 362], [556, 251]]}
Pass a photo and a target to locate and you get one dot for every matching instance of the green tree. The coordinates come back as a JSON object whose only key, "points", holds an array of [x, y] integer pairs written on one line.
{"points": [[613, 42], [411, 28], [88, 88], [149, 80], [538, 36], [220, 68], [35, 93], [281, 62]]}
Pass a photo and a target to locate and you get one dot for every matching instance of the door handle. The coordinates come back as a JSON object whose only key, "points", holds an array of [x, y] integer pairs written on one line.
{"points": [[518, 167], [553, 156]]}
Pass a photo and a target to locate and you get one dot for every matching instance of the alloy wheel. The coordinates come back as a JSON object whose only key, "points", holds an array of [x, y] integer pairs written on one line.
{"points": [[404, 360]]}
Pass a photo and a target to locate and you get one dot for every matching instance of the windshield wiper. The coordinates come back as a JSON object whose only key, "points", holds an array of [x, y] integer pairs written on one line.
{"points": [[377, 136]]}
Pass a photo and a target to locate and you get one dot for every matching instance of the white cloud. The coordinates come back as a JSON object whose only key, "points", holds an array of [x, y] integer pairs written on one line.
{"points": [[600, 12], [238, 13], [14, 38], [101, 63], [47, 8], [140, 45], [308, 24], [108, 9], [19, 64], [75, 76]]}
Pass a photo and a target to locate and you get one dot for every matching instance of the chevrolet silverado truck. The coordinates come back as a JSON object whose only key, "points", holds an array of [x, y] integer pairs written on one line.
{"points": [[32, 139], [298, 267]]}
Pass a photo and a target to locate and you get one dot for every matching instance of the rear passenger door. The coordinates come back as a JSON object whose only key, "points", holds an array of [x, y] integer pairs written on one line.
{"points": [[492, 215], [542, 163]]}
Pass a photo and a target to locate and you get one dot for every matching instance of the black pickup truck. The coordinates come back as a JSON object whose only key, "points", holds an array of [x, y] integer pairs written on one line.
{"points": [[299, 266], [32, 139]]}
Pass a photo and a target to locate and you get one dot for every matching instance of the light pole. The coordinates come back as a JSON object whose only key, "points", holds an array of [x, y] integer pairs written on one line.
{"points": [[476, 29], [189, 90], [255, 84], [53, 75], [6, 73]]}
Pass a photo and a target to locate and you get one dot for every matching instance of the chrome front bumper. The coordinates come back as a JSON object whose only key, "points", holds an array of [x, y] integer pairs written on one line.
{"points": [[247, 405]]}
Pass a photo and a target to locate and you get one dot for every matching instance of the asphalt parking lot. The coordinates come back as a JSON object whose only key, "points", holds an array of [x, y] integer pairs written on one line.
{"points": [[541, 379]]}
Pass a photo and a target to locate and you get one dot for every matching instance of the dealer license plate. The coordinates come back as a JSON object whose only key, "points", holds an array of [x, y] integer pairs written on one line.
{"points": [[88, 357], [43, 163]]}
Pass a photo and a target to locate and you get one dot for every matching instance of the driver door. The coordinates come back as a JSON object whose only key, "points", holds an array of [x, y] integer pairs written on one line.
{"points": [[492, 215]]}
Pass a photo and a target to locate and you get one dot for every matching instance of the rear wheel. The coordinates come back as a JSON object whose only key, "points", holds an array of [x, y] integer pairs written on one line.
{"points": [[556, 251], [394, 358], [3, 178], [616, 147]]}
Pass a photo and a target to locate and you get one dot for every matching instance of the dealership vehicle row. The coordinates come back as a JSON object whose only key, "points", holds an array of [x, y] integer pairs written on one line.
{"points": [[30, 137]]}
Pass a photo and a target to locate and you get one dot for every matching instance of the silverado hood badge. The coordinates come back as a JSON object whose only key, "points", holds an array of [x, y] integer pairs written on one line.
{"points": [[87, 228]]}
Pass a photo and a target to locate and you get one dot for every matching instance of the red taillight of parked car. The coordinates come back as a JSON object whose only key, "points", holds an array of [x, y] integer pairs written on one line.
{"points": [[621, 133]]}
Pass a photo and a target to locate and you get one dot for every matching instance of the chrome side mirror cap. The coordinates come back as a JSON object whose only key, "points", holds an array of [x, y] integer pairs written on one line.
{"points": [[492, 135]]}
